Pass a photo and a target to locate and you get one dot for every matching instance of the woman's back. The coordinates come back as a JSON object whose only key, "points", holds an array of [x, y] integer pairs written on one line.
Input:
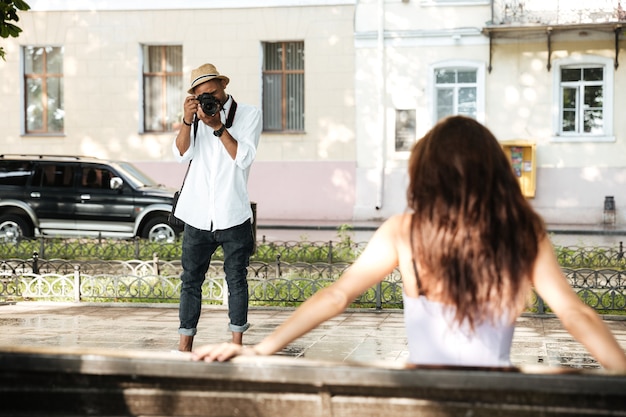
{"points": [[435, 339], [433, 333]]}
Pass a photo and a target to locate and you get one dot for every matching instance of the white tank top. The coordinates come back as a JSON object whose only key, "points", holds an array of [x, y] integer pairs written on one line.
{"points": [[435, 339]]}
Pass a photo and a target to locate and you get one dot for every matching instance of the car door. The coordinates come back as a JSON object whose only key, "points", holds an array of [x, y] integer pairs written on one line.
{"points": [[51, 194], [100, 207]]}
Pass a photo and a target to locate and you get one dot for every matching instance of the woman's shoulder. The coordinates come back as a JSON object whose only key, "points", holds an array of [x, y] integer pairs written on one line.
{"points": [[398, 223], [395, 231]]}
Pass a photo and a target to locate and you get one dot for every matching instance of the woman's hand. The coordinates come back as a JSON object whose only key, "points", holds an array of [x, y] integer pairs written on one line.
{"points": [[221, 352]]}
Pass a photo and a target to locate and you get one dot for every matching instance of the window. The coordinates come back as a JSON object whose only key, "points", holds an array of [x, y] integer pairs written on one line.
{"points": [[456, 92], [283, 86], [15, 173], [49, 175], [162, 87], [43, 81], [583, 96], [96, 178]]}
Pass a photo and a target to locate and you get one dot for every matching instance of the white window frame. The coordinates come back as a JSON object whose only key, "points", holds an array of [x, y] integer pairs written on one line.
{"points": [[480, 84], [24, 102], [289, 111], [607, 88], [142, 103]]}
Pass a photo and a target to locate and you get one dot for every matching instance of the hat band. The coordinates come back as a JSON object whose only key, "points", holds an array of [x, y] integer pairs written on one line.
{"points": [[204, 76]]}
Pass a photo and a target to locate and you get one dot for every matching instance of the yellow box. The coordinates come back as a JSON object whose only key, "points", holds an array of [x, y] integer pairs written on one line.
{"points": [[521, 154]]}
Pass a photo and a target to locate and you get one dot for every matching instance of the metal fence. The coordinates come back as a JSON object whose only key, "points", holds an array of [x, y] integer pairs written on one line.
{"points": [[344, 250], [270, 283], [114, 249]]}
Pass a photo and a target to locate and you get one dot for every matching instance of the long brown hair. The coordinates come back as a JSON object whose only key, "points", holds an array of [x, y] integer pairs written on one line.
{"points": [[471, 226]]}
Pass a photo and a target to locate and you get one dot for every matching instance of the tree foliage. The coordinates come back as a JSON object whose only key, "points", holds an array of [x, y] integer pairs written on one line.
{"points": [[8, 11]]}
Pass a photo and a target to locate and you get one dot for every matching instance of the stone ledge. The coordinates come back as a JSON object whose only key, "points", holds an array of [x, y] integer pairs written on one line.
{"points": [[100, 382]]}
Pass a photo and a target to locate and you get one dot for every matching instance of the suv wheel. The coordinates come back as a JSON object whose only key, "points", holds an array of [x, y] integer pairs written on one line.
{"points": [[14, 227], [158, 229]]}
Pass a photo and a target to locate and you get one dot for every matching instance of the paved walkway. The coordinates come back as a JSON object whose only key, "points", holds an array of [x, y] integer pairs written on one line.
{"points": [[357, 335]]}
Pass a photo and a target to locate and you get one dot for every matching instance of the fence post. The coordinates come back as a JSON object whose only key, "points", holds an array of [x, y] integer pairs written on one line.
{"points": [[137, 248], [155, 263], [278, 269], [42, 247], [77, 283], [379, 296], [35, 263], [330, 251]]}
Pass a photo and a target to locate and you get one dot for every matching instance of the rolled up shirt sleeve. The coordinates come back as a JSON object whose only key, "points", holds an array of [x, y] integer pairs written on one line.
{"points": [[247, 137]]}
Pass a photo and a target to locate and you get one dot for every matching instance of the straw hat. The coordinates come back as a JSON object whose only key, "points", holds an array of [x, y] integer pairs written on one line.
{"points": [[203, 74]]}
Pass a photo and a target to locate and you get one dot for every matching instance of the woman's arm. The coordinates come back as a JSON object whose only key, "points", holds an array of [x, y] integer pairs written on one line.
{"points": [[580, 320], [375, 263]]}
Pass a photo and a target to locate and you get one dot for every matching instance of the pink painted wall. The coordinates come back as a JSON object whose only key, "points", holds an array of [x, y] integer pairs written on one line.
{"points": [[285, 190]]}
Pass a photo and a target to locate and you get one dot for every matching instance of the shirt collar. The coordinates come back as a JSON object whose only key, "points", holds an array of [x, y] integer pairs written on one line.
{"points": [[226, 106]]}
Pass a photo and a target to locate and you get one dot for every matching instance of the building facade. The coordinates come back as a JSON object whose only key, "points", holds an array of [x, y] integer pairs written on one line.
{"points": [[542, 73], [346, 87]]}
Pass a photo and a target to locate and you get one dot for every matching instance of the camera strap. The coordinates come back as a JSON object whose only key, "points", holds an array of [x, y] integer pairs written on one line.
{"points": [[231, 113], [195, 132]]}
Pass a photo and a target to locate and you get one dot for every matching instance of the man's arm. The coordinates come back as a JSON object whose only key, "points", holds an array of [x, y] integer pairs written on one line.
{"points": [[183, 139]]}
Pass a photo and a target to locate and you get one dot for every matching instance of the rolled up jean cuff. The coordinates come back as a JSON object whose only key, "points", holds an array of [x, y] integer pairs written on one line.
{"points": [[187, 332], [238, 329]]}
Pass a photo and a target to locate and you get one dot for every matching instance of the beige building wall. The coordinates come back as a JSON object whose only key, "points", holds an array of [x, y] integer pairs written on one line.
{"points": [[102, 87], [397, 45], [364, 60], [573, 178]]}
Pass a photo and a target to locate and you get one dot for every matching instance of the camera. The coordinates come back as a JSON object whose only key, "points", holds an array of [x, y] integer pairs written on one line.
{"points": [[208, 103]]}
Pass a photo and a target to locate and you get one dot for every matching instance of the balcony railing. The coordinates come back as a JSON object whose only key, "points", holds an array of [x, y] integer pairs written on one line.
{"points": [[557, 12]]}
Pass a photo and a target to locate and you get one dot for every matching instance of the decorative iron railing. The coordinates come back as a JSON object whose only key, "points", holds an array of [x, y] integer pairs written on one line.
{"points": [[557, 12], [592, 257], [276, 283], [94, 251], [142, 249]]}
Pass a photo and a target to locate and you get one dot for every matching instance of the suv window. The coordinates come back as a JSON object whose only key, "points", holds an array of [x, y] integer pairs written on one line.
{"points": [[15, 173], [51, 175], [96, 178]]}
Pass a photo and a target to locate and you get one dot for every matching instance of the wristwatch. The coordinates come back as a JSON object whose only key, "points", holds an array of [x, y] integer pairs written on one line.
{"points": [[219, 131]]}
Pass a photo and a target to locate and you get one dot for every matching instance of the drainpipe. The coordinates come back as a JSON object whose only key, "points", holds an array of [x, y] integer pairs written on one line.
{"points": [[381, 103]]}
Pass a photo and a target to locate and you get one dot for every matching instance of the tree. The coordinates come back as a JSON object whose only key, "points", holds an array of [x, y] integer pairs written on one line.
{"points": [[8, 11]]}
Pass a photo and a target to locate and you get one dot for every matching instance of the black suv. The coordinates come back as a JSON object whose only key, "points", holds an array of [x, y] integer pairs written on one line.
{"points": [[72, 196]]}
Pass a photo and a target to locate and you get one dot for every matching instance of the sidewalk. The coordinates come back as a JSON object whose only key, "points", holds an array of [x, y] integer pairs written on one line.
{"points": [[357, 335], [361, 231]]}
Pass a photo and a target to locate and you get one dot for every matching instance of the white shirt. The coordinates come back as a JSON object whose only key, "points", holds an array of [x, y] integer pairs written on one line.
{"points": [[435, 339], [215, 193]]}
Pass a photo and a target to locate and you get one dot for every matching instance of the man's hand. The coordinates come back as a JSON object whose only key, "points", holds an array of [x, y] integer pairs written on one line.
{"points": [[215, 122], [190, 108]]}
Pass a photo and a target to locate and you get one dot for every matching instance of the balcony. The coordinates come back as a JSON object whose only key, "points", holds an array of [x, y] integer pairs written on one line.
{"points": [[556, 12], [517, 19]]}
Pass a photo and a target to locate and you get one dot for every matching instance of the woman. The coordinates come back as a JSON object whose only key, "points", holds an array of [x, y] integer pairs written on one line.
{"points": [[469, 251]]}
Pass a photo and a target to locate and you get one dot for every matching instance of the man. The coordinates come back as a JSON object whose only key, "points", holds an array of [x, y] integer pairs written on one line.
{"points": [[214, 202]]}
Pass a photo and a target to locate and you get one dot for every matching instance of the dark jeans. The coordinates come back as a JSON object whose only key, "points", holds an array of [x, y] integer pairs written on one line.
{"points": [[198, 247]]}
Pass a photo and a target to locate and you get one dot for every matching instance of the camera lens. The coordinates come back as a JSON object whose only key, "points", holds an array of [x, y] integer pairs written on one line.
{"points": [[208, 103]]}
